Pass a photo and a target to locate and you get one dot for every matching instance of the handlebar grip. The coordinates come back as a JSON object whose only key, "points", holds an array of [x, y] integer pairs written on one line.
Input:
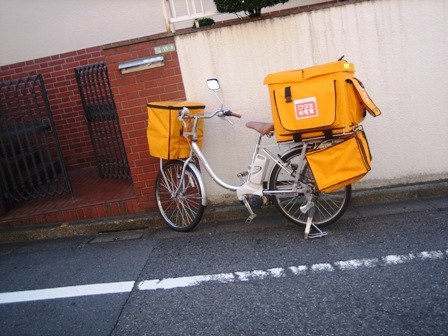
{"points": [[228, 113], [236, 115]]}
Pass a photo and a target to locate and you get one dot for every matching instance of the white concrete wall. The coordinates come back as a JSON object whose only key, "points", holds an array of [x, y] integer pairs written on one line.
{"points": [[399, 47], [31, 29]]}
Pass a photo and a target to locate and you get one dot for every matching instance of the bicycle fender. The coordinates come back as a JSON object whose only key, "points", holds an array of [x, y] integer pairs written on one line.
{"points": [[201, 183], [281, 157]]}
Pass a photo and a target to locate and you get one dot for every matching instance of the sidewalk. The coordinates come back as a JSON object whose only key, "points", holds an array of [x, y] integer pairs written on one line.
{"points": [[211, 214]]}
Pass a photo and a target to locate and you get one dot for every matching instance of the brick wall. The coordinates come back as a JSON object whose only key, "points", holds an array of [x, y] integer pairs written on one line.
{"points": [[132, 91], [64, 99]]}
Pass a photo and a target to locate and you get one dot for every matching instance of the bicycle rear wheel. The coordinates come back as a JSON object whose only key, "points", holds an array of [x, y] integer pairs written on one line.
{"points": [[329, 207], [181, 210]]}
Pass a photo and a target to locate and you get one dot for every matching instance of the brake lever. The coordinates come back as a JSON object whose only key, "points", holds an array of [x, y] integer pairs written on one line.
{"points": [[183, 112], [228, 120], [224, 117]]}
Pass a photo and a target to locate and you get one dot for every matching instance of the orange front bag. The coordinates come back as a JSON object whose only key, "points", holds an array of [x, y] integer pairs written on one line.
{"points": [[165, 130]]}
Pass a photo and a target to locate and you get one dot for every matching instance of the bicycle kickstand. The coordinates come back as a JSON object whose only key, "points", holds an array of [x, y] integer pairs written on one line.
{"points": [[309, 224], [252, 214]]}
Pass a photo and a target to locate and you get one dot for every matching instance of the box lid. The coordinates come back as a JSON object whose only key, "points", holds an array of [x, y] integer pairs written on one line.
{"points": [[176, 105], [328, 68], [299, 75], [290, 76]]}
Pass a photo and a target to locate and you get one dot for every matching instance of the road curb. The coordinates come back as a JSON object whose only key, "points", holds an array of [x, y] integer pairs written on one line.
{"points": [[212, 214]]}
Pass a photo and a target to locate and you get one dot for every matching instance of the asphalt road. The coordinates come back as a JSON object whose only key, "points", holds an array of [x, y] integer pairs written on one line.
{"points": [[382, 270]]}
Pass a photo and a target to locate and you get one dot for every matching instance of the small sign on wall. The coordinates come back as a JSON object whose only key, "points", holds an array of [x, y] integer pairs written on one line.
{"points": [[166, 48]]}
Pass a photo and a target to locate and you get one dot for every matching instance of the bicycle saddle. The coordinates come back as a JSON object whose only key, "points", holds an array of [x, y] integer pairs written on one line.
{"points": [[261, 127]]}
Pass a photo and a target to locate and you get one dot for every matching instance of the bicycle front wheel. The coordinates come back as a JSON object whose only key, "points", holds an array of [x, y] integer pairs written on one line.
{"points": [[178, 199], [329, 207]]}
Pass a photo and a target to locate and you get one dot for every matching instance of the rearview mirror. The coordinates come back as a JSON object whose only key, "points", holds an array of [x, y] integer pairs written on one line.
{"points": [[213, 84]]}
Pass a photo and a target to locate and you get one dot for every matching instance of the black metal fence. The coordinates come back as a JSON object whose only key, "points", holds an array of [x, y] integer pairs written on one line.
{"points": [[102, 119], [31, 162]]}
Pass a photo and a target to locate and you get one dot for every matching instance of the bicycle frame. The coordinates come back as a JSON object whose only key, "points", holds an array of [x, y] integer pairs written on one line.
{"points": [[247, 188]]}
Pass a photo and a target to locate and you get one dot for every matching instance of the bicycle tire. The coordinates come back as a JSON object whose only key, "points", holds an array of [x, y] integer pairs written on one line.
{"points": [[329, 207], [181, 212]]}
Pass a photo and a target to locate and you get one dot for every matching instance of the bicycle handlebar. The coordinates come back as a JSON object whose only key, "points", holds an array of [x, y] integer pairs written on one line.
{"points": [[220, 113]]}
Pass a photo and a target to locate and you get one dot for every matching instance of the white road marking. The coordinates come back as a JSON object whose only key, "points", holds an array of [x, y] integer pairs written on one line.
{"points": [[67, 292], [297, 270], [347, 265], [431, 254], [357, 263], [326, 267], [196, 280]]}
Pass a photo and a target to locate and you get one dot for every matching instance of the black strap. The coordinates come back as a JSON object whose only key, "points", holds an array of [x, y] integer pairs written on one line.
{"points": [[288, 94], [297, 137], [328, 134]]}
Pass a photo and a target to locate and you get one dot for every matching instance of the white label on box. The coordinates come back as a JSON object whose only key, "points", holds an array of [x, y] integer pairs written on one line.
{"points": [[306, 108]]}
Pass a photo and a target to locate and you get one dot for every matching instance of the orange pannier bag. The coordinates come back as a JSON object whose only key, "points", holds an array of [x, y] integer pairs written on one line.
{"points": [[165, 130], [342, 164], [316, 101]]}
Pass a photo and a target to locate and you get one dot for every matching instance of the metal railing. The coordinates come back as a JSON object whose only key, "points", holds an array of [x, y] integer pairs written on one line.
{"points": [[31, 162], [176, 11], [101, 116]]}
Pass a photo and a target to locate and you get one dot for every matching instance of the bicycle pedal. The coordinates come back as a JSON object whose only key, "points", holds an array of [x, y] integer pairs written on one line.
{"points": [[242, 174]]}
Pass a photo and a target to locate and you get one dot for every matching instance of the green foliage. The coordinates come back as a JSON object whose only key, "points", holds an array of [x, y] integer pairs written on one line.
{"points": [[251, 7], [203, 22]]}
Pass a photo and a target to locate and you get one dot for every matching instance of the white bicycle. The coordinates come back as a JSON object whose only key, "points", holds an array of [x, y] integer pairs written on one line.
{"points": [[181, 195]]}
